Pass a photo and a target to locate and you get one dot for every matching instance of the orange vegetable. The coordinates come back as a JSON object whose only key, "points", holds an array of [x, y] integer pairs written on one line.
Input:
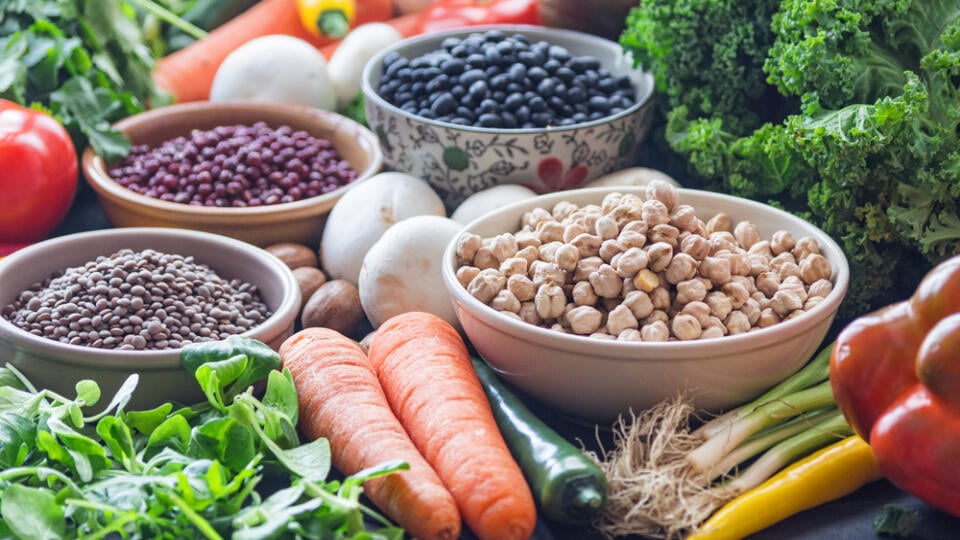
{"points": [[188, 73], [426, 374], [341, 400]]}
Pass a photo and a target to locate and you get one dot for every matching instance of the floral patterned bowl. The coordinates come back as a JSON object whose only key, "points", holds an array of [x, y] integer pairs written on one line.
{"points": [[461, 160]]}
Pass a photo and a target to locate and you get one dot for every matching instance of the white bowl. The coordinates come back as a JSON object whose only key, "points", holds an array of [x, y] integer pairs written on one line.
{"points": [[595, 379], [58, 366], [461, 160]]}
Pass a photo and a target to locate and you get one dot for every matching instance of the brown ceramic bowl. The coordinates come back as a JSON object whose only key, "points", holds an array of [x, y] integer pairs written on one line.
{"points": [[300, 221], [58, 366]]}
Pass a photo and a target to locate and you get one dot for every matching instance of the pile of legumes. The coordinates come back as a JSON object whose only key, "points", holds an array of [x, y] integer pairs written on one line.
{"points": [[137, 300], [643, 268], [235, 166], [492, 80]]}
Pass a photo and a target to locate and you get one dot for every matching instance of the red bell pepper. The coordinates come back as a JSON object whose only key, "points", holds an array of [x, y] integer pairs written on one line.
{"points": [[896, 377], [38, 173]]}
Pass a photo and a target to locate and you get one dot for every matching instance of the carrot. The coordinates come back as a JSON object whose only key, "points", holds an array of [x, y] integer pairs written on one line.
{"points": [[426, 374], [341, 400]]}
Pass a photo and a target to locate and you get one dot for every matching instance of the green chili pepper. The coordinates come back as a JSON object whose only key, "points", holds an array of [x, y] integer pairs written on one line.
{"points": [[569, 486]]}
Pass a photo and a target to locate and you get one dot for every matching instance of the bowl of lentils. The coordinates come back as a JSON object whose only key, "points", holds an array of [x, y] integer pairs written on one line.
{"points": [[596, 301], [262, 173], [104, 304], [468, 109]]}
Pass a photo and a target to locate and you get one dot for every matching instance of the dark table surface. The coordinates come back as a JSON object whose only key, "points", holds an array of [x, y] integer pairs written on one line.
{"points": [[850, 518]]}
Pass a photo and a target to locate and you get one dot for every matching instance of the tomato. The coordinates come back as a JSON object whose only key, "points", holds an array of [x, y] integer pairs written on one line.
{"points": [[38, 173]]}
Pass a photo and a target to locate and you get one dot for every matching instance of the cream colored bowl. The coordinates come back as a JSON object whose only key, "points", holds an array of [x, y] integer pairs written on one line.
{"points": [[299, 221], [58, 366], [595, 379]]}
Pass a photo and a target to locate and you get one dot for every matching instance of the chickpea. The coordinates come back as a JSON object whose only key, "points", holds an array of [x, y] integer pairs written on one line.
{"points": [[762, 249], [683, 217], [486, 284], [655, 331], [698, 310], [662, 191], [747, 234], [736, 292], [631, 261], [685, 327], [719, 222], [626, 213], [529, 253], [785, 301], [639, 304], [550, 301], [681, 268], [546, 272], [806, 246], [563, 209], [751, 309], [737, 322], [656, 315], [691, 290], [665, 233], [619, 319], [535, 217], [504, 246], [696, 246], [660, 255], [607, 228], [716, 269], [550, 231], [630, 334], [484, 258], [796, 285], [609, 248], [720, 304], [815, 267], [513, 265], [660, 297], [739, 265], [505, 301], [467, 246], [647, 281], [566, 257], [712, 332], [522, 287], [654, 212], [768, 317], [634, 227], [583, 294], [605, 281], [584, 319], [527, 239], [781, 242], [610, 201], [768, 283], [758, 264], [821, 287], [585, 267], [465, 274], [811, 302], [722, 241], [528, 313], [588, 245]]}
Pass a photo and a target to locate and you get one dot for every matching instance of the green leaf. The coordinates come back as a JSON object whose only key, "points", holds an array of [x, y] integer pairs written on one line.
{"points": [[310, 461], [281, 394], [88, 392], [226, 440], [120, 398], [116, 435], [174, 432], [9, 378], [33, 513], [260, 360], [18, 436], [147, 421]]}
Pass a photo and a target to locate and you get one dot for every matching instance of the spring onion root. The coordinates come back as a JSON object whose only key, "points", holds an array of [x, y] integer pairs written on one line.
{"points": [[667, 478]]}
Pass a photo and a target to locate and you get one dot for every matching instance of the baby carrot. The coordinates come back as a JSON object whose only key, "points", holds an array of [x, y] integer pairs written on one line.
{"points": [[426, 374], [341, 399]]}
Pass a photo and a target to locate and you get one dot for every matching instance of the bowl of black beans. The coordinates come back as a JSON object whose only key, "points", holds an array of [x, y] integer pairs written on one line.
{"points": [[260, 172], [472, 108], [105, 304]]}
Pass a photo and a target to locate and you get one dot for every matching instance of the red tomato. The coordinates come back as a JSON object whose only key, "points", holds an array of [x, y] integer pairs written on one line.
{"points": [[38, 173]]}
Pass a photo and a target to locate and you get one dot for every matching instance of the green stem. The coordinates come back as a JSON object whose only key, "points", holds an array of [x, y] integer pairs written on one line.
{"points": [[766, 439], [788, 451], [171, 18], [717, 447]]}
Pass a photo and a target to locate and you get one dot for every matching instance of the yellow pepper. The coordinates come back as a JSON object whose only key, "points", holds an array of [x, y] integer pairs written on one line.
{"points": [[327, 18], [828, 474]]}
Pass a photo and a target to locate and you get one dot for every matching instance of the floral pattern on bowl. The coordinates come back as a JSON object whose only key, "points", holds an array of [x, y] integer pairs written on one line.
{"points": [[461, 160]]}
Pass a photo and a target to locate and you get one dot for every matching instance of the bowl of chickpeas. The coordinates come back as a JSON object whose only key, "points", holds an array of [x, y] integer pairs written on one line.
{"points": [[597, 301], [472, 108]]}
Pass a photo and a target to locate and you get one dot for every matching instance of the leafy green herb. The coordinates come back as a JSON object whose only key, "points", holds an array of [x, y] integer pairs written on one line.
{"points": [[896, 521], [844, 113], [84, 61], [230, 467]]}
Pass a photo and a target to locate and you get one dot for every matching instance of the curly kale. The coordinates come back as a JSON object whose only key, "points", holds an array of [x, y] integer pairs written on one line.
{"points": [[867, 145]]}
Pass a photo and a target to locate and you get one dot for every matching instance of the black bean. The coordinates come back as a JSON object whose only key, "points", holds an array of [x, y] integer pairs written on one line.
{"points": [[513, 101], [477, 61], [478, 90], [453, 66], [471, 76], [445, 103], [489, 120], [537, 74]]}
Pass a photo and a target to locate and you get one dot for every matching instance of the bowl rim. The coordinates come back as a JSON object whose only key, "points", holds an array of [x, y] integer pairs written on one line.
{"points": [[657, 352], [95, 167], [149, 359], [644, 93]]}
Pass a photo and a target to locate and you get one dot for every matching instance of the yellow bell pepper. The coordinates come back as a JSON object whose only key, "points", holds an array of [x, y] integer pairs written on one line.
{"points": [[327, 18], [828, 474]]}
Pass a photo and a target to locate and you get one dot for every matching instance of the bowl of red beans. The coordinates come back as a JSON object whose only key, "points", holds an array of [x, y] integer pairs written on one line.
{"points": [[261, 173], [472, 108]]}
